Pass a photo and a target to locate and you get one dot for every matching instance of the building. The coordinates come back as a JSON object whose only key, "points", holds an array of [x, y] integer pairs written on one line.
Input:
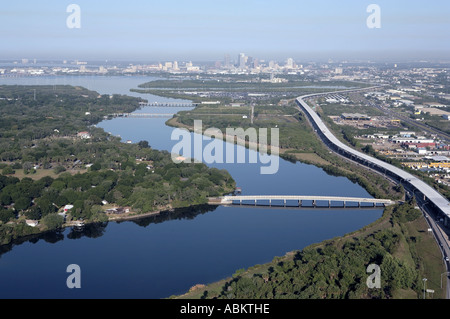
{"points": [[355, 117], [67, 208], [242, 60], [227, 61], [434, 104], [406, 134], [84, 135], [32, 223], [117, 210], [290, 63], [421, 151], [405, 140]]}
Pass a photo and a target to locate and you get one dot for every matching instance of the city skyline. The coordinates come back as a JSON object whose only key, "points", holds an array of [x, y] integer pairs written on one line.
{"points": [[201, 30]]}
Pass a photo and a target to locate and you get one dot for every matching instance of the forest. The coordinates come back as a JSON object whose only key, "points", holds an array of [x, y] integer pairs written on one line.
{"points": [[45, 164]]}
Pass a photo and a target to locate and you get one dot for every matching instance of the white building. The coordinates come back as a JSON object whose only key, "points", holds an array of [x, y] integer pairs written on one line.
{"points": [[32, 223]]}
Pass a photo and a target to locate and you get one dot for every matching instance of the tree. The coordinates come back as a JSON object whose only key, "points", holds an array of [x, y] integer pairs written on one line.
{"points": [[33, 213], [96, 166], [22, 203], [143, 144], [53, 221], [59, 169], [6, 215], [5, 199], [8, 170], [45, 205]]}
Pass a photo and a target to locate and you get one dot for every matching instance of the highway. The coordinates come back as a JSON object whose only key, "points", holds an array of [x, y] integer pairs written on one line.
{"points": [[430, 201], [439, 202]]}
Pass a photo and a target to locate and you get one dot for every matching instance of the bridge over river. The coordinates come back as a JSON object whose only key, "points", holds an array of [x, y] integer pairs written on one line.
{"points": [[301, 201], [143, 115]]}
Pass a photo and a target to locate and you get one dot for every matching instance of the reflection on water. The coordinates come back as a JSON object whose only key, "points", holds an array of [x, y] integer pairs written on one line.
{"points": [[96, 230]]}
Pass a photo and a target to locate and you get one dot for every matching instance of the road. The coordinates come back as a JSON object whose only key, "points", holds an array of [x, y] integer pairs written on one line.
{"points": [[440, 233], [410, 181]]}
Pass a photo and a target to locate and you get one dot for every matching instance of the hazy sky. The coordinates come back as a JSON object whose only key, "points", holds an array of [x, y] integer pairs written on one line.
{"points": [[198, 29]]}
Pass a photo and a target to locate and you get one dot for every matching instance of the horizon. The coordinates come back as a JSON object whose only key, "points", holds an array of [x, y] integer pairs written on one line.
{"points": [[206, 31]]}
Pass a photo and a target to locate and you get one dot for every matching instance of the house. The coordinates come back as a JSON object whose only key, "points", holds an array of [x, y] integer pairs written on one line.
{"points": [[32, 223], [117, 210], [67, 208], [84, 135]]}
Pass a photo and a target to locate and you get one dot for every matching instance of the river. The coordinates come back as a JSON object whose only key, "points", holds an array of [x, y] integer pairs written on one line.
{"points": [[157, 257]]}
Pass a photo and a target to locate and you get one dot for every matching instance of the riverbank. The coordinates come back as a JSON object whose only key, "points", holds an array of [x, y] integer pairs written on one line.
{"points": [[336, 268]]}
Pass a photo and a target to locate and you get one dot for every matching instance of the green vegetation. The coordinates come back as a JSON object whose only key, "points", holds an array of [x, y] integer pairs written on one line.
{"points": [[336, 269], [39, 138]]}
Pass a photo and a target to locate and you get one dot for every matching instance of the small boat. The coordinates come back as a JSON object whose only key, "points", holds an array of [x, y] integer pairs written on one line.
{"points": [[238, 190]]}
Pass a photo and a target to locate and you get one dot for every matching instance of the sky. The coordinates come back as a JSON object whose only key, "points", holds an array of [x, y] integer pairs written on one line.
{"points": [[207, 30]]}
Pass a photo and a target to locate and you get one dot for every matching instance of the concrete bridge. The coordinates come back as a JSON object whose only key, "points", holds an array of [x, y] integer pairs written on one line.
{"points": [[143, 115], [164, 104], [300, 201]]}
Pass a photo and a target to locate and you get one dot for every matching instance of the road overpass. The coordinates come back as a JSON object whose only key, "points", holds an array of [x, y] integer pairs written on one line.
{"points": [[425, 191]]}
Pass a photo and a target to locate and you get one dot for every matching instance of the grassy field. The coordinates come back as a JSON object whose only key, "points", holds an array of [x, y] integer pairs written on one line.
{"points": [[19, 173]]}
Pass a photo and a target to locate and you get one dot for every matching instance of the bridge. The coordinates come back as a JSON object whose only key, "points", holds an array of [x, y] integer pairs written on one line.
{"points": [[165, 104], [300, 201], [143, 115]]}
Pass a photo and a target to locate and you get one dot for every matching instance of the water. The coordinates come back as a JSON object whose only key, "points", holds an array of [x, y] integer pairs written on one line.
{"points": [[160, 256]]}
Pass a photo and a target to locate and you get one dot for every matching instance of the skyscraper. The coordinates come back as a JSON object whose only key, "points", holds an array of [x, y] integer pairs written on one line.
{"points": [[226, 61], [290, 63], [242, 61]]}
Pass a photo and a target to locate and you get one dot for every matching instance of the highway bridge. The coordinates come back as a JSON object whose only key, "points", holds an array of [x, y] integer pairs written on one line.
{"points": [[165, 104], [143, 115], [427, 193], [301, 201]]}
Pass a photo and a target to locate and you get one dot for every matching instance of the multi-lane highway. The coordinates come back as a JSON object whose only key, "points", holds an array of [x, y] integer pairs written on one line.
{"points": [[431, 202]]}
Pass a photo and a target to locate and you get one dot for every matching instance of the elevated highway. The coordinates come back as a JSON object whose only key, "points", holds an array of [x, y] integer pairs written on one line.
{"points": [[439, 203]]}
